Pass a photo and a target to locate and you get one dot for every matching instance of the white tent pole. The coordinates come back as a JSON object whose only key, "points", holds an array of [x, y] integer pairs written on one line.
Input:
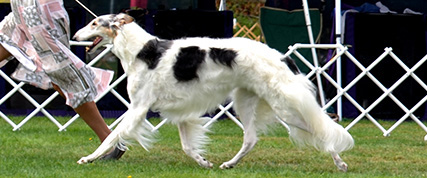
{"points": [[111, 6], [313, 51], [338, 41]]}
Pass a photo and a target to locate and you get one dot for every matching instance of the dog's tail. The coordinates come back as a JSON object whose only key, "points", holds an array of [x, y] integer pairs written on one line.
{"points": [[313, 126], [292, 65]]}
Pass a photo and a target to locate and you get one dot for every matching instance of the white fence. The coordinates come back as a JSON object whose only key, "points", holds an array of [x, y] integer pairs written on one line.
{"points": [[316, 71], [40, 107], [365, 71]]}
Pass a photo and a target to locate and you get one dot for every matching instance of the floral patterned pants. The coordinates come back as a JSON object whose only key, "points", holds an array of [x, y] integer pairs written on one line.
{"points": [[36, 33]]}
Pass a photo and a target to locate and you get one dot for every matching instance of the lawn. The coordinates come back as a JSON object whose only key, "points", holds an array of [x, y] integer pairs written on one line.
{"points": [[39, 150]]}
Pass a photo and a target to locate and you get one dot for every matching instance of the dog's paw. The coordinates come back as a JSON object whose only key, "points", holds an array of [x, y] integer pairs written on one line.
{"points": [[226, 165], [84, 160], [342, 167], [206, 164]]}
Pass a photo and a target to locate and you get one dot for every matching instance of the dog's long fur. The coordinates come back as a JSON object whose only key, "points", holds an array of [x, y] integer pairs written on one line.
{"points": [[185, 78]]}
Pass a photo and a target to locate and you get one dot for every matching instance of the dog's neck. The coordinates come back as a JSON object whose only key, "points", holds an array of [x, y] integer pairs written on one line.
{"points": [[128, 42]]}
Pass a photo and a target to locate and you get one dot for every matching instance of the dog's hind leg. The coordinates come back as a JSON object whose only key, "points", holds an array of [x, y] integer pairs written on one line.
{"points": [[309, 124], [245, 105], [193, 138], [341, 165]]}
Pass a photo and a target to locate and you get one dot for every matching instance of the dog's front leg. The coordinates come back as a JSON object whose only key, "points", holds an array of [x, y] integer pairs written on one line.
{"points": [[106, 146], [133, 120]]}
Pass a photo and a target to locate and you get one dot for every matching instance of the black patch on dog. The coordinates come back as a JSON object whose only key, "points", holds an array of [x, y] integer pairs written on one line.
{"points": [[292, 65], [104, 23], [153, 51], [187, 63], [223, 56]]}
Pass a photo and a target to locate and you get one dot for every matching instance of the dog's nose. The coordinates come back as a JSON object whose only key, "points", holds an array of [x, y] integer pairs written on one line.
{"points": [[75, 37]]}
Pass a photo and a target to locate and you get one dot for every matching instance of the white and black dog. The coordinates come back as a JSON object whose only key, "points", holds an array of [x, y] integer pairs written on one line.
{"points": [[186, 78]]}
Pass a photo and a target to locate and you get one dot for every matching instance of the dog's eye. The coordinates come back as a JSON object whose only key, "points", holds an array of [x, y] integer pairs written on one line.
{"points": [[94, 24]]}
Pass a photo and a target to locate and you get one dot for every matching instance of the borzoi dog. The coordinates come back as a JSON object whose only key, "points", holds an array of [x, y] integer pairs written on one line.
{"points": [[186, 78]]}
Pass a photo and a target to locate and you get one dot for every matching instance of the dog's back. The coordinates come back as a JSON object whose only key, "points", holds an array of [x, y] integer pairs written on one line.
{"points": [[199, 73]]}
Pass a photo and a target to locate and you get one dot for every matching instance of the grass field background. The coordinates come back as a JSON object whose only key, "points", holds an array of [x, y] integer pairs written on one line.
{"points": [[39, 150]]}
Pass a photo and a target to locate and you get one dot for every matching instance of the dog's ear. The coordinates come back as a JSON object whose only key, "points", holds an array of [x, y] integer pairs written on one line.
{"points": [[120, 20], [124, 18]]}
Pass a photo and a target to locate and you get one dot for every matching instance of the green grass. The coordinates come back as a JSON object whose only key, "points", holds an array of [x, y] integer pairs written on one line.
{"points": [[39, 150]]}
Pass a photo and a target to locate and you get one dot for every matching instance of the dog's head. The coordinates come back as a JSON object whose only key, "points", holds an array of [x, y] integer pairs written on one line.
{"points": [[103, 29]]}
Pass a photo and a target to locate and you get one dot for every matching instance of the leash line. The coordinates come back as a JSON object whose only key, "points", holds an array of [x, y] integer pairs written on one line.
{"points": [[87, 9]]}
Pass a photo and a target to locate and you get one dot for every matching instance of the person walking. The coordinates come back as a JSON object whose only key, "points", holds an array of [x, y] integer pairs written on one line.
{"points": [[37, 34]]}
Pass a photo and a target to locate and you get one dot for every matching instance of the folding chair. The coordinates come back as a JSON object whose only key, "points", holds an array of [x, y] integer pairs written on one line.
{"points": [[282, 28]]}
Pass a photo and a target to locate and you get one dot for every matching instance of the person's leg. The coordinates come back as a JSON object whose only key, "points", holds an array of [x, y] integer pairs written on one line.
{"points": [[88, 111], [90, 114], [4, 54]]}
